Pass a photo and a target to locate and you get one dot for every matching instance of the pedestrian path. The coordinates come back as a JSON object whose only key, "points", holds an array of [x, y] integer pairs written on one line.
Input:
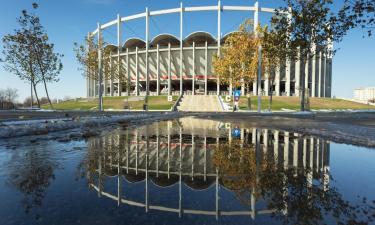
{"points": [[200, 103]]}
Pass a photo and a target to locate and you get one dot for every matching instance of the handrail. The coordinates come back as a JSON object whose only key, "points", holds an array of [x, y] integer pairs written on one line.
{"points": [[221, 103], [174, 108]]}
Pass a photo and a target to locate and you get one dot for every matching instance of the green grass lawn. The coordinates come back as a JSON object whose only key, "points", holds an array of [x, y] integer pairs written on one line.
{"points": [[154, 102], [161, 103], [292, 103]]}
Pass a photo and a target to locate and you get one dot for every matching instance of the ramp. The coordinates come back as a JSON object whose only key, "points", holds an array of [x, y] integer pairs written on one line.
{"points": [[200, 103]]}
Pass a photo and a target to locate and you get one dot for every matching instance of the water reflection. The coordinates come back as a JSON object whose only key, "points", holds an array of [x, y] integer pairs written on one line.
{"points": [[270, 172], [31, 173]]}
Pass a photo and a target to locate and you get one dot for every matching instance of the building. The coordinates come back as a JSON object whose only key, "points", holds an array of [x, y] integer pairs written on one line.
{"points": [[169, 65], [365, 94]]}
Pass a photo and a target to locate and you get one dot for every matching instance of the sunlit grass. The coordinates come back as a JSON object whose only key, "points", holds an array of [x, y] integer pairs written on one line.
{"points": [[116, 103], [292, 103], [161, 103]]}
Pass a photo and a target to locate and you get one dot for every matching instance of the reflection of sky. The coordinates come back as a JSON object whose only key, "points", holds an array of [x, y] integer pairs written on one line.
{"points": [[353, 170]]}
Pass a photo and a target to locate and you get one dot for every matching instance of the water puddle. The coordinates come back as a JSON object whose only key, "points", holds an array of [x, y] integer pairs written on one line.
{"points": [[188, 171]]}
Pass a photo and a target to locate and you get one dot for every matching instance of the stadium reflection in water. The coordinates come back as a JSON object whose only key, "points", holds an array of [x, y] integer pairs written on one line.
{"points": [[209, 168]]}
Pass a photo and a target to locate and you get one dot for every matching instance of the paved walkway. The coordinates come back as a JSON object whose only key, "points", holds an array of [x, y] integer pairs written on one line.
{"points": [[200, 103]]}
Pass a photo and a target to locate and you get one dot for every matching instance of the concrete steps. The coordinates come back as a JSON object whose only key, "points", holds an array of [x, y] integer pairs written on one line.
{"points": [[200, 103]]}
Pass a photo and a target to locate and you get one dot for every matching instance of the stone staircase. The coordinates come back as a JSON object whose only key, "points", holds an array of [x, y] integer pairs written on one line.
{"points": [[200, 103]]}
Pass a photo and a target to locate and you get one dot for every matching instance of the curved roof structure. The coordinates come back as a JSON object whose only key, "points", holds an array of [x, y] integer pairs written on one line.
{"points": [[134, 42], [112, 47], [200, 38], [164, 40], [199, 183], [134, 178], [227, 35], [163, 180], [110, 171]]}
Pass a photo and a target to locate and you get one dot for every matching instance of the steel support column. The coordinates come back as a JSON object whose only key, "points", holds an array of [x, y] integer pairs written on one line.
{"points": [[136, 72], [277, 82], [266, 85], [147, 46], [127, 73], [324, 73], [288, 65], [297, 76], [320, 74], [206, 69], [100, 68], [181, 46], [88, 80], [313, 73], [169, 70], [218, 42], [119, 48], [194, 73], [111, 72], [157, 70]]}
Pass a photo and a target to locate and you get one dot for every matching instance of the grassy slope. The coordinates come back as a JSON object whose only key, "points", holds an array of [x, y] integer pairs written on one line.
{"points": [[161, 103], [155, 103], [293, 103]]}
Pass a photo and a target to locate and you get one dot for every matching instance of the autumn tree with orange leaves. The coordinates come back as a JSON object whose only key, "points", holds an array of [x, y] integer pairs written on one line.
{"points": [[238, 62]]}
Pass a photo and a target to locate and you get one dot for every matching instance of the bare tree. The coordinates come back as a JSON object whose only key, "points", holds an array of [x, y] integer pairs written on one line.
{"points": [[8, 98], [87, 56], [19, 57], [29, 55], [48, 62], [11, 94], [27, 102], [44, 100], [2, 98]]}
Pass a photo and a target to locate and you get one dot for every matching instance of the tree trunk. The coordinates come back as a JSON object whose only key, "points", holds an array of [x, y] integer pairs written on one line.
{"points": [[119, 70], [119, 88], [45, 88], [302, 87], [36, 94], [271, 94], [31, 94], [248, 97]]}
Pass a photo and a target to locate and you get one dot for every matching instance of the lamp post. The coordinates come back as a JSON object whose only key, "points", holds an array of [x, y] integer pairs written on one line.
{"points": [[259, 77]]}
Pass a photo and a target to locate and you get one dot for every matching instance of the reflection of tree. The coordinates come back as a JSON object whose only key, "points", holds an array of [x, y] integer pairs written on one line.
{"points": [[103, 151], [237, 167], [31, 173], [288, 190], [91, 162]]}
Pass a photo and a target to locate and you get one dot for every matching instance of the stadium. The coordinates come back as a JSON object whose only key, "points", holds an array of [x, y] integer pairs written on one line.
{"points": [[170, 65]]}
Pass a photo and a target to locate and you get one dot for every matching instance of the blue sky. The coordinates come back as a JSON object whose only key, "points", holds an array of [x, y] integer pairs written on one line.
{"points": [[68, 21]]}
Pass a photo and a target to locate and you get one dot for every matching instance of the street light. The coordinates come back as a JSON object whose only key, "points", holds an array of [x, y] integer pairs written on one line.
{"points": [[259, 77]]}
